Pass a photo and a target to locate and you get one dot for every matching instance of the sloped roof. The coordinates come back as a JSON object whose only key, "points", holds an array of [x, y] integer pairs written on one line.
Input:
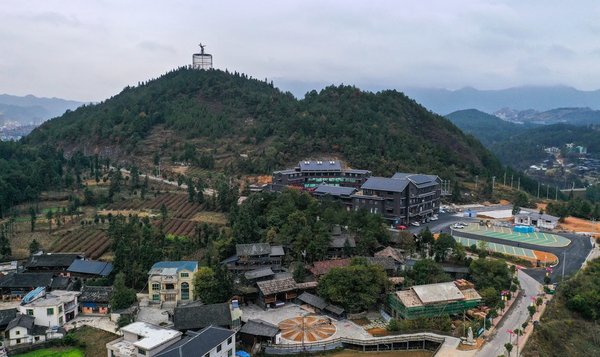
{"points": [[313, 300], [258, 273], [277, 251], [392, 253], [90, 267], [7, 315], [323, 267], [387, 263], [253, 249], [60, 282], [26, 280], [52, 260], [101, 294], [324, 189], [25, 321], [339, 241], [384, 184], [194, 316], [320, 165], [197, 343], [275, 286], [420, 180], [259, 327]]}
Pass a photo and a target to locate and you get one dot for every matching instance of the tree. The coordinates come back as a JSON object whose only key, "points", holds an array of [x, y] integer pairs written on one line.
{"points": [[34, 246], [490, 297], [49, 215], [426, 271], [144, 189], [442, 246], [211, 287], [490, 273], [33, 217], [356, 287], [123, 297], [191, 190], [532, 309], [508, 346], [163, 212]]}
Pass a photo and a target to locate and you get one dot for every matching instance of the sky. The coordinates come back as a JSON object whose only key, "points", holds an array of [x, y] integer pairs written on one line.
{"points": [[90, 50]]}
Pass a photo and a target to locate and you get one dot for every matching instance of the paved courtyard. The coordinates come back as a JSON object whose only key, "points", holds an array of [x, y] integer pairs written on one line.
{"points": [[344, 328]]}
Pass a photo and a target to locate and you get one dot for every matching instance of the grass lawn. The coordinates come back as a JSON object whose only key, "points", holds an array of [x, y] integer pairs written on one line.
{"points": [[95, 340], [54, 352]]}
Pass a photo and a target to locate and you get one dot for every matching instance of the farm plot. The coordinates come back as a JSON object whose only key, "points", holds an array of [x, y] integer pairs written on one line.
{"points": [[91, 241], [179, 227], [176, 203]]}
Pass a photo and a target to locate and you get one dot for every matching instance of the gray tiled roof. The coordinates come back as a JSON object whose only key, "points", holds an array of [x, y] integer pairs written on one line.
{"points": [[324, 189], [420, 180], [101, 294], [277, 251], [194, 316], [52, 260], [26, 280], [320, 165], [198, 343], [253, 249], [7, 315], [313, 300], [258, 273], [384, 184], [275, 286], [259, 328], [340, 241], [25, 321]]}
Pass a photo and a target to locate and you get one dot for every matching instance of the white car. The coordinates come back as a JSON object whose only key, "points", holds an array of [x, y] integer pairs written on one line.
{"points": [[434, 218], [458, 226], [416, 224]]}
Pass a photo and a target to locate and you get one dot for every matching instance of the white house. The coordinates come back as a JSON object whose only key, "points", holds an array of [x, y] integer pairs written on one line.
{"points": [[53, 309], [209, 342], [540, 220], [172, 281], [23, 330], [141, 339]]}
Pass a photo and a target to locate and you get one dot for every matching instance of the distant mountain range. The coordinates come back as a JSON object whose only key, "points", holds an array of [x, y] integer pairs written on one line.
{"points": [[573, 116], [445, 101], [30, 109]]}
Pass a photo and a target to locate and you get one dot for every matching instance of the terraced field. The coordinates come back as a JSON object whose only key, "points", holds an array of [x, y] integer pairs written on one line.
{"points": [[92, 241]]}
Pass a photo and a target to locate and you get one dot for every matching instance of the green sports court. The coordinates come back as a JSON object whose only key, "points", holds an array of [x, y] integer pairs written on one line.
{"points": [[537, 238], [532, 255]]}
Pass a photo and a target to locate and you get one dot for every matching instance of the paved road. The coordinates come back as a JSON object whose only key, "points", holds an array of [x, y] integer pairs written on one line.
{"points": [[514, 319]]}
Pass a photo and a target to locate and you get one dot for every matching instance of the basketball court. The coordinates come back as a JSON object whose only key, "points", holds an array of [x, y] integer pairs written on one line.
{"points": [[529, 254], [537, 238]]}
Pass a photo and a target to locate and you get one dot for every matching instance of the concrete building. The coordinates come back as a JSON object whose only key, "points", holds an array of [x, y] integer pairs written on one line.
{"points": [[141, 339], [95, 300], [311, 173], [172, 281], [54, 309], [403, 198], [536, 219], [22, 330], [209, 342], [433, 300]]}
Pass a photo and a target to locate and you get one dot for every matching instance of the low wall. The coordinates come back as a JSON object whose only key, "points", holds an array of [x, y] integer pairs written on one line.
{"points": [[357, 316]]}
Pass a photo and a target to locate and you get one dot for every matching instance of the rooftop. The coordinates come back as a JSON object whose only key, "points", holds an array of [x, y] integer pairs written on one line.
{"points": [[197, 343], [440, 292], [100, 294], [259, 327], [384, 184], [26, 280], [420, 180], [258, 273], [150, 336], [324, 189], [52, 260], [54, 298], [253, 249], [320, 165], [172, 268], [323, 267], [7, 315], [275, 286], [195, 316], [536, 215], [392, 253], [90, 267]]}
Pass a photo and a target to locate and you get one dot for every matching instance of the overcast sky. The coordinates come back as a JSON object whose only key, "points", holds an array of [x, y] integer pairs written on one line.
{"points": [[89, 50]]}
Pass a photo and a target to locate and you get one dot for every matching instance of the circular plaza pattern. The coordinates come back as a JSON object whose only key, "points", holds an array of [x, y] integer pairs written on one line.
{"points": [[307, 329]]}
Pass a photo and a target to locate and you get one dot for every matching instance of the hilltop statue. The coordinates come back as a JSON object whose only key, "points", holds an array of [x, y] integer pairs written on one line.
{"points": [[470, 336]]}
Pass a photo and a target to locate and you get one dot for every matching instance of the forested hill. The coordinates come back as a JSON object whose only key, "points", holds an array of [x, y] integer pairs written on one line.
{"points": [[489, 129], [186, 114]]}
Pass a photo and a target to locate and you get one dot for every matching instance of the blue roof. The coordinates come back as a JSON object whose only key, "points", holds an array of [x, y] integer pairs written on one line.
{"points": [[90, 267], [179, 265], [334, 190], [384, 184]]}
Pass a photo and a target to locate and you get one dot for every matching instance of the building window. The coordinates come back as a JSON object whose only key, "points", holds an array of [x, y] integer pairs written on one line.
{"points": [[207, 355], [185, 291], [18, 340], [185, 275], [155, 297], [17, 332], [229, 340], [141, 351], [36, 338], [60, 309], [229, 353], [60, 320], [155, 286], [50, 311], [219, 348], [30, 312]]}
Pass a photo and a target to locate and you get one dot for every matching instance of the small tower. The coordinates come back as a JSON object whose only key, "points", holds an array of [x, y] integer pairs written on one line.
{"points": [[202, 60]]}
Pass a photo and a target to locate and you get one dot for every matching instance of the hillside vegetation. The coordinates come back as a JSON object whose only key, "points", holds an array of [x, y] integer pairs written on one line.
{"points": [[201, 117]]}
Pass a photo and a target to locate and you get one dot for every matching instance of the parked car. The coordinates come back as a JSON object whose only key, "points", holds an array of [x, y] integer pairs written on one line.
{"points": [[415, 223], [458, 226], [434, 218]]}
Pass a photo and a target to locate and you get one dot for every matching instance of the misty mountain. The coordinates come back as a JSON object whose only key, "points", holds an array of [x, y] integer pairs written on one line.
{"points": [[445, 101], [573, 116], [31, 109]]}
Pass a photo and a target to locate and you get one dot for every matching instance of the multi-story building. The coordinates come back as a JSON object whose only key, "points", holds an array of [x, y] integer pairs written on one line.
{"points": [[403, 198], [22, 330], [52, 309], [172, 281], [250, 257], [141, 339], [310, 174]]}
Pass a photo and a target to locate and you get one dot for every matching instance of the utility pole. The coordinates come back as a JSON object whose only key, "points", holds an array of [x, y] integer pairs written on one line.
{"points": [[504, 183], [493, 183], [511, 180], [556, 193], [538, 195], [519, 187], [547, 191], [476, 181], [563, 267]]}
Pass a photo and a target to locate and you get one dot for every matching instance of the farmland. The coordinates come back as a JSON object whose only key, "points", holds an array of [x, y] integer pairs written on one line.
{"points": [[177, 205], [92, 241]]}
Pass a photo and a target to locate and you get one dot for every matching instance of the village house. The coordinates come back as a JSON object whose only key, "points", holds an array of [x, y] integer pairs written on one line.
{"points": [[57, 263], [195, 316], [209, 342], [95, 300], [87, 269], [141, 339], [50, 309], [258, 331], [172, 281], [16, 285], [276, 292], [255, 256], [23, 330]]}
